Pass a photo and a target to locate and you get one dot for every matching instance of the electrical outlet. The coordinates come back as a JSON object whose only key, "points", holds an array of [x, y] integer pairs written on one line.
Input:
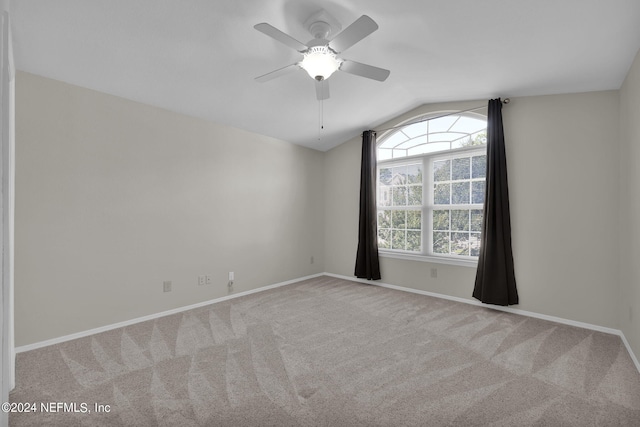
{"points": [[202, 280], [434, 273], [232, 277], [311, 260], [209, 281], [166, 286]]}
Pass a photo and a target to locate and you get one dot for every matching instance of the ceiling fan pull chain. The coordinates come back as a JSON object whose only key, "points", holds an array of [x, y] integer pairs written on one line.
{"points": [[322, 109], [319, 118], [320, 115]]}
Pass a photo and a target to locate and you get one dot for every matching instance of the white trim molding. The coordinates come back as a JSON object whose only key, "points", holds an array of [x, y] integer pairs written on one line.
{"points": [[7, 198], [89, 332], [462, 262], [500, 308], [130, 322]]}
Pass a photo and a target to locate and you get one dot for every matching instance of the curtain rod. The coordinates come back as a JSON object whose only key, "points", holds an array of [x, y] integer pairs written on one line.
{"points": [[504, 101]]}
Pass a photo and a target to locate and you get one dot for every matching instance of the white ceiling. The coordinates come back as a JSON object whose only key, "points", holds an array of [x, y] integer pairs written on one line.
{"points": [[200, 57]]}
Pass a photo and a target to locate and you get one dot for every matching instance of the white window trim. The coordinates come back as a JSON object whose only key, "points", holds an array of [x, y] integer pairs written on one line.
{"points": [[459, 260]]}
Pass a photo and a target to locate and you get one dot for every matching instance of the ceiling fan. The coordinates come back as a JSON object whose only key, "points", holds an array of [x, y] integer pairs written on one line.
{"points": [[320, 56]]}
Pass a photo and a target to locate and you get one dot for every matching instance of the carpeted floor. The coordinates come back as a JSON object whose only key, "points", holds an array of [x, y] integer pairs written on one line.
{"points": [[328, 352]]}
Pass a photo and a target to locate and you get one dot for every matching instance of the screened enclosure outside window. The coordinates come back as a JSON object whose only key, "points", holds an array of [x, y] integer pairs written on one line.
{"points": [[458, 198], [400, 207], [431, 183]]}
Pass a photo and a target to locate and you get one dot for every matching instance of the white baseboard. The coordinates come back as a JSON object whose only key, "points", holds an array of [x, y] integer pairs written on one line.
{"points": [[501, 308], [631, 354], [86, 333], [338, 276]]}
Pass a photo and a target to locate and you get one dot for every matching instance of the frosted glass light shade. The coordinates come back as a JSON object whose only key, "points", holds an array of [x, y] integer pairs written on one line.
{"points": [[319, 62]]}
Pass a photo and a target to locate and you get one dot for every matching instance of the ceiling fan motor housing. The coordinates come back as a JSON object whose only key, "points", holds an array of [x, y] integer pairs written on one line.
{"points": [[322, 25], [320, 29]]}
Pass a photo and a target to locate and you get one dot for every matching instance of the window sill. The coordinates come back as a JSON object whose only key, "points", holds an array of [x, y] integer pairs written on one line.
{"points": [[426, 258]]}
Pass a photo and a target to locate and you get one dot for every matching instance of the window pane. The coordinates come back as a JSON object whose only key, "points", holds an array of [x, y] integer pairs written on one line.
{"points": [[399, 196], [465, 141], [460, 193], [459, 220], [399, 219], [460, 169], [384, 154], [399, 175], [477, 192], [415, 195], [442, 124], [449, 137], [440, 242], [441, 194], [474, 244], [398, 239], [396, 153], [384, 196], [384, 239], [414, 142], [442, 170], [385, 176], [441, 220], [476, 220], [460, 243], [414, 174], [469, 125], [415, 129], [479, 138], [479, 167], [431, 147], [384, 219], [413, 241], [414, 220], [396, 139]]}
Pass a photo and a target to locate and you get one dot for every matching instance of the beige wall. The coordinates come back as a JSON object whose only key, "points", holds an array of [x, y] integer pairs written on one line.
{"points": [[562, 153], [630, 206], [114, 197]]}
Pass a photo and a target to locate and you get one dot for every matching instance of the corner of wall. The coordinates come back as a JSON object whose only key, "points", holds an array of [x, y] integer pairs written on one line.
{"points": [[629, 207], [116, 197]]}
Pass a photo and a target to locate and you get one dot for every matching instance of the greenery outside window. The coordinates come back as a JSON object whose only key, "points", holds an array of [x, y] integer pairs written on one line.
{"points": [[431, 182]]}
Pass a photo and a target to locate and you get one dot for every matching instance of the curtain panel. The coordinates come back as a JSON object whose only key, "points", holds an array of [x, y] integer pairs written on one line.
{"points": [[367, 262], [495, 278]]}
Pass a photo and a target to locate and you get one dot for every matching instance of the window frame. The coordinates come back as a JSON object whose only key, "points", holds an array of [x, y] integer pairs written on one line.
{"points": [[427, 159]]}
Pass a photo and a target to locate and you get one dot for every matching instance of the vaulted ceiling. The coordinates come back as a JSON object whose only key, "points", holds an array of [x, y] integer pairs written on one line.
{"points": [[200, 57]]}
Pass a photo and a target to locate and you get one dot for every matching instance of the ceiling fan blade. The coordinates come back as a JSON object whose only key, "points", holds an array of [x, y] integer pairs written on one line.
{"points": [[277, 73], [364, 70], [322, 90], [275, 33], [355, 32]]}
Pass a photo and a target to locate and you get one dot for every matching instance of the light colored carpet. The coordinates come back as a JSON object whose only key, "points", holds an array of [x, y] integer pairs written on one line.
{"points": [[329, 352]]}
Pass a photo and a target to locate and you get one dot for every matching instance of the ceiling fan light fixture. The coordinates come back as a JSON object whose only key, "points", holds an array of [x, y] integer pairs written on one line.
{"points": [[320, 62]]}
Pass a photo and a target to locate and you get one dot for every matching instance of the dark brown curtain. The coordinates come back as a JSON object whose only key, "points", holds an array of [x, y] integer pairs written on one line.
{"points": [[495, 278], [367, 263]]}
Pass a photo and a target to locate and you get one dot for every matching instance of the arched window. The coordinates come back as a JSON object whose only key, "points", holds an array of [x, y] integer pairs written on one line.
{"points": [[431, 183]]}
